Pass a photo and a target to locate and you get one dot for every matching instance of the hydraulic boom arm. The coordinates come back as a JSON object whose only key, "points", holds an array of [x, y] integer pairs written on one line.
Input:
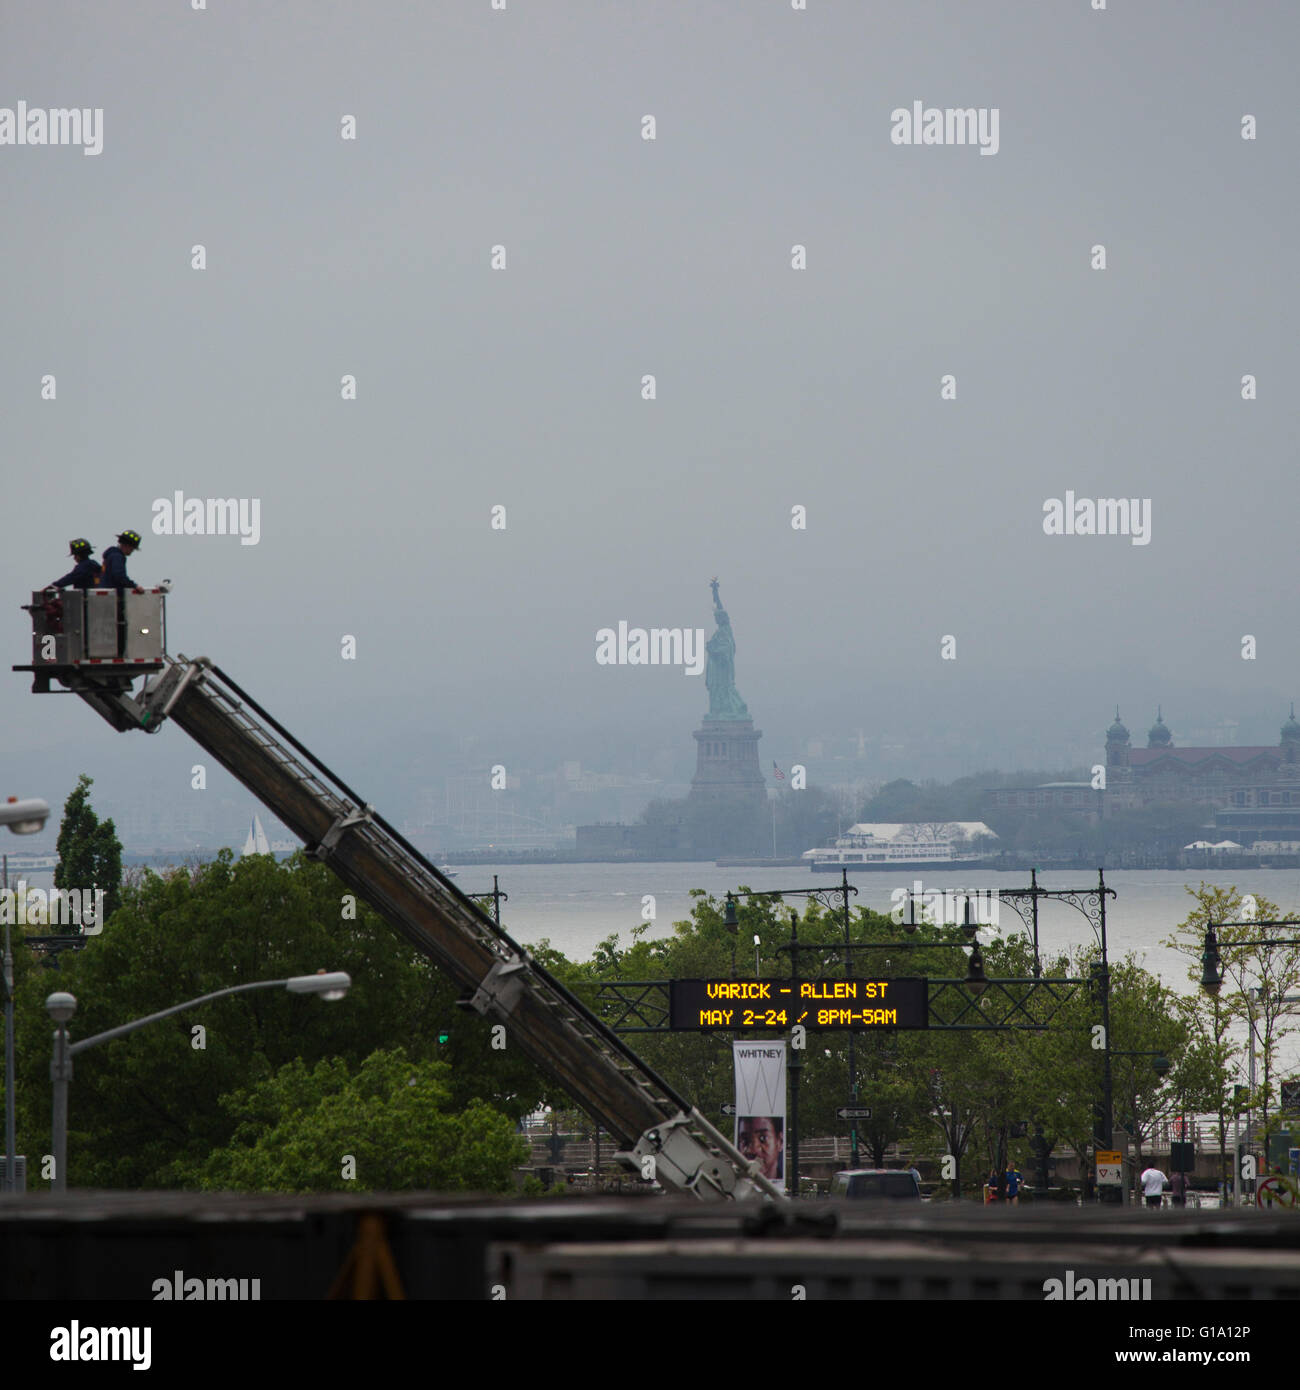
{"points": [[662, 1134]]}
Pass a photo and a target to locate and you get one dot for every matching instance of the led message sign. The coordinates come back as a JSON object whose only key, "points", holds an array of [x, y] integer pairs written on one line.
{"points": [[783, 1003]]}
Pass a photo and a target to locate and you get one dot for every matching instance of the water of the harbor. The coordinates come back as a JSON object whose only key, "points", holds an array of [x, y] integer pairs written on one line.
{"points": [[577, 905]]}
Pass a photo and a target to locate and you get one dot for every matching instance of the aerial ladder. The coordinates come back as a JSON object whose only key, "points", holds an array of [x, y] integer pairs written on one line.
{"points": [[98, 644]]}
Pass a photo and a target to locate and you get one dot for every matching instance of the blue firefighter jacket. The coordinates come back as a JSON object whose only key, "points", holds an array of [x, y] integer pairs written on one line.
{"points": [[115, 575], [83, 575]]}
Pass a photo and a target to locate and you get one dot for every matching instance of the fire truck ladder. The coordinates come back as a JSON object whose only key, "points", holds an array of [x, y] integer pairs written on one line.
{"points": [[664, 1136]]}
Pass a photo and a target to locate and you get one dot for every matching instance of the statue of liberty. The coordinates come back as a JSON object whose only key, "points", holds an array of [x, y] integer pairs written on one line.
{"points": [[720, 672]]}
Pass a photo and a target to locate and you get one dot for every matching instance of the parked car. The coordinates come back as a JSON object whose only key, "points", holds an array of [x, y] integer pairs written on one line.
{"points": [[893, 1184]]}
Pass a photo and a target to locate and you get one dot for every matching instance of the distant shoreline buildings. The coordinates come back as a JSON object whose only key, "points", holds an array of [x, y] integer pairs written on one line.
{"points": [[1254, 791]]}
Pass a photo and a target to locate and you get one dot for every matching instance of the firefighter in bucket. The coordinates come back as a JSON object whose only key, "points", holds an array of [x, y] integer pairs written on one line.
{"points": [[85, 573]]}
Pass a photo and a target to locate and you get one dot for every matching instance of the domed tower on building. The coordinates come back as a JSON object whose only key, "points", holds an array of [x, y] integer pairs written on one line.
{"points": [[1249, 789], [1290, 768], [1158, 735], [1117, 745], [1119, 775]]}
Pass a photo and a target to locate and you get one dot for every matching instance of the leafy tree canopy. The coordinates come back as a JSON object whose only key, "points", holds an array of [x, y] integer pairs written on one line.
{"points": [[144, 1109], [387, 1125], [90, 854]]}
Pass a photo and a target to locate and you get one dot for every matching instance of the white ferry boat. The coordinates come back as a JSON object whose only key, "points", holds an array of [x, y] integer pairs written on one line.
{"points": [[893, 845]]}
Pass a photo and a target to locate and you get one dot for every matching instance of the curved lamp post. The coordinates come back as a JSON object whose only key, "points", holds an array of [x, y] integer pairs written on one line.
{"points": [[61, 1007]]}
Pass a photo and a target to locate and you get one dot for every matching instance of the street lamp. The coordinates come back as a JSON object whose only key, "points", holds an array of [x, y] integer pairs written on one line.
{"points": [[329, 986], [24, 817], [1211, 963], [61, 1007]]}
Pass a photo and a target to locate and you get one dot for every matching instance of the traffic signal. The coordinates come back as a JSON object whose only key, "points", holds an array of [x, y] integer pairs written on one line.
{"points": [[444, 1036]]}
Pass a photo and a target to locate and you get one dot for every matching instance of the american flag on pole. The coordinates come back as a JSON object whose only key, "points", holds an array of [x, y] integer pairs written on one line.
{"points": [[777, 773]]}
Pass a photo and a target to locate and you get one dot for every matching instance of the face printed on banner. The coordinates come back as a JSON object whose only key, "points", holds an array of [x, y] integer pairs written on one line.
{"points": [[762, 1138]]}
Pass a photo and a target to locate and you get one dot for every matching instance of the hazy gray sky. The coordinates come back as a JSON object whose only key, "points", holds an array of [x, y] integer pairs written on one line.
{"points": [[776, 388]]}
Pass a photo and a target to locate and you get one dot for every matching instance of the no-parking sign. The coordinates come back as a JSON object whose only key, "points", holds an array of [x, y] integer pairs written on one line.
{"points": [[1276, 1192]]}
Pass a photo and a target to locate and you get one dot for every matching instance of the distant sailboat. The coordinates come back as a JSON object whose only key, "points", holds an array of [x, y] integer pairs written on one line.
{"points": [[257, 843]]}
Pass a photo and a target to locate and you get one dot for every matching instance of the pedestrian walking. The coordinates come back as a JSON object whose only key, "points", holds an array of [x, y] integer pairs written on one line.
{"points": [[1013, 1183], [1153, 1185]]}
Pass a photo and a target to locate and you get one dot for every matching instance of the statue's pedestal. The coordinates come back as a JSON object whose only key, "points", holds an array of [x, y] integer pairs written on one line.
{"points": [[727, 807], [726, 763]]}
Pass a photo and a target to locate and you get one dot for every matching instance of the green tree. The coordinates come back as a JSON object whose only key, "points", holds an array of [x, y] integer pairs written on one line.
{"points": [[1059, 1072], [976, 1081], [892, 1068], [888, 1076], [804, 820], [1144, 1019], [144, 1109], [974, 1093], [90, 854], [955, 1079], [387, 1125], [965, 799], [1256, 981], [902, 800]]}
